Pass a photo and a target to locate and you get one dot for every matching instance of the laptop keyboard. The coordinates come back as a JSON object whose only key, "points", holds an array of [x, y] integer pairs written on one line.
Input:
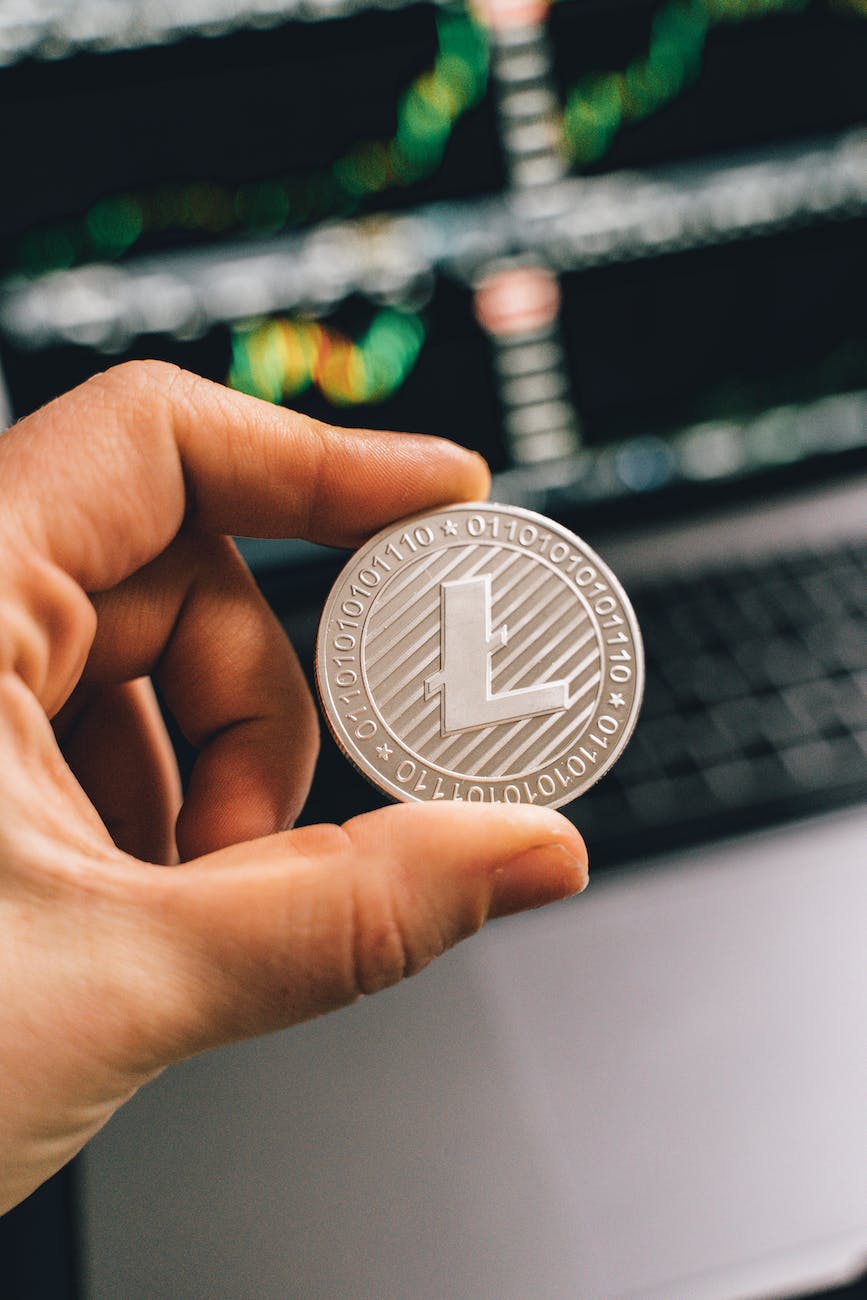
{"points": [[755, 706]]}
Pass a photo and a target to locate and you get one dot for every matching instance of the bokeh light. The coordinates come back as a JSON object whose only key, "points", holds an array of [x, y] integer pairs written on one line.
{"points": [[278, 359]]}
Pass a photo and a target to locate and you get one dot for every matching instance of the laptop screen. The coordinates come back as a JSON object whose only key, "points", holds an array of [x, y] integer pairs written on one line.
{"points": [[617, 246]]}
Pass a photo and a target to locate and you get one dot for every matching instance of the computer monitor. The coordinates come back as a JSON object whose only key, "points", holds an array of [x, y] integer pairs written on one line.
{"points": [[614, 246]]}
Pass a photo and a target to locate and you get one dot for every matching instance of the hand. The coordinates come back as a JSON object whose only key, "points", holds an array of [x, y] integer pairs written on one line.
{"points": [[115, 568]]}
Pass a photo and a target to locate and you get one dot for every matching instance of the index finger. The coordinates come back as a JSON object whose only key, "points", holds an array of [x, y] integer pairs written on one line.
{"points": [[146, 444]]}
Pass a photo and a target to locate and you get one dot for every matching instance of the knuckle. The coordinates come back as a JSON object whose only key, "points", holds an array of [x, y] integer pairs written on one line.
{"points": [[144, 374], [160, 384], [380, 940], [381, 954], [386, 934]]}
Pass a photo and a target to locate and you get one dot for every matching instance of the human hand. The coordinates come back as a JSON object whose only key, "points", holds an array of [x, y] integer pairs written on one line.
{"points": [[114, 568]]}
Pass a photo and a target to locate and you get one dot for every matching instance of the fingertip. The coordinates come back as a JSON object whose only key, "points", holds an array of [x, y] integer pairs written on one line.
{"points": [[441, 468], [543, 826], [473, 477], [547, 874], [554, 866], [479, 473]]}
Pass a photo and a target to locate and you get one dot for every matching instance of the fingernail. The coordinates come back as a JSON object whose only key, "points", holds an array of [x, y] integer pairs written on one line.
{"points": [[538, 876]]}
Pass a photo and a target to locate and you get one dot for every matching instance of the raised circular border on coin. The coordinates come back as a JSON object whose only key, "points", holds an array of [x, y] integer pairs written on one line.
{"points": [[479, 652]]}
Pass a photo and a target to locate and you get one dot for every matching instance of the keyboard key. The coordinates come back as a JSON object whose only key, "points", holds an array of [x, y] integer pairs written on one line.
{"points": [[755, 610], [679, 677], [739, 719], [838, 646], [826, 600], [707, 742], [717, 677], [824, 763], [851, 585], [810, 764], [639, 759], [851, 700], [657, 803], [749, 655], [732, 783], [785, 599], [850, 643], [814, 702], [850, 705], [662, 743], [785, 661], [749, 782], [778, 723]]}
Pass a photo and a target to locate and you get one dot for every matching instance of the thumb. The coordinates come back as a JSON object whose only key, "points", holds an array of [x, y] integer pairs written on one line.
{"points": [[262, 935]]}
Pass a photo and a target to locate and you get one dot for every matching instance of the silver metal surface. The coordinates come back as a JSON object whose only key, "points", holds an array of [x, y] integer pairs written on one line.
{"points": [[479, 652]]}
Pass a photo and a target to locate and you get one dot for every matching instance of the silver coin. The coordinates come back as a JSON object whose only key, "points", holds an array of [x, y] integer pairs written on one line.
{"points": [[479, 652]]}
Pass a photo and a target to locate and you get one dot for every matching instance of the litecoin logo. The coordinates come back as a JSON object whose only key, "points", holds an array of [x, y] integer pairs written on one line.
{"points": [[464, 681], [479, 652]]}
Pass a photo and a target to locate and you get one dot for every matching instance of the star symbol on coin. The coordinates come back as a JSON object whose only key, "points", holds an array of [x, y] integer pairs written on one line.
{"points": [[450, 528], [616, 701], [384, 751]]}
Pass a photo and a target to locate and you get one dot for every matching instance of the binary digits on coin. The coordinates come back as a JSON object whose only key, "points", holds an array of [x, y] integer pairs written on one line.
{"points": [[479, 652]]}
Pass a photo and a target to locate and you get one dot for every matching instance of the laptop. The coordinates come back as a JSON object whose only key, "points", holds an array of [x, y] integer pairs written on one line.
{"points": [[650, 320]]}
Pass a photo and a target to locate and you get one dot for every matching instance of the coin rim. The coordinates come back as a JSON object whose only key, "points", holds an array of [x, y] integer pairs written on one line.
{"points": [[323, 687]]}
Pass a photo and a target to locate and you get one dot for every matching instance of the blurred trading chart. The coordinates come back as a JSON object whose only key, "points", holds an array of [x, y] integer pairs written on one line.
{"points": [[582, 237]]}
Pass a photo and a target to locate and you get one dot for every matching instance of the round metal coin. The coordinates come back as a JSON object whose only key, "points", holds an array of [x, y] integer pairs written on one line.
{"points": [[479, 652]]}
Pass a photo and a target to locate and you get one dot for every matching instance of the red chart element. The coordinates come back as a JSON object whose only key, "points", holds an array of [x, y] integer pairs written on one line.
{"points": [[501, 14], [518, 301]]}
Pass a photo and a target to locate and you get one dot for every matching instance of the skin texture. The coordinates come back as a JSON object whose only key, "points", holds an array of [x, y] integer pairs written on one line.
{"points": [[137, 929]]}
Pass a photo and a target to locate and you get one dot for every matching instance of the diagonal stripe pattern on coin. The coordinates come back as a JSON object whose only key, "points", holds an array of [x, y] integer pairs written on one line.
{"points": [[479, 652]]}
